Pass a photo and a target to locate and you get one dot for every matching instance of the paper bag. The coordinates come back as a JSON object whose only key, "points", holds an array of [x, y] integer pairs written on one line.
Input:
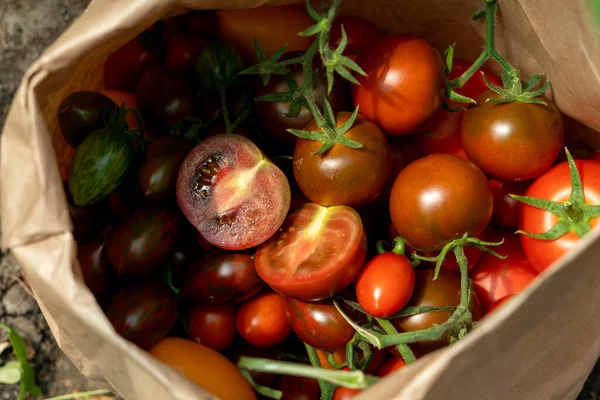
{"points": [[541, 346]]}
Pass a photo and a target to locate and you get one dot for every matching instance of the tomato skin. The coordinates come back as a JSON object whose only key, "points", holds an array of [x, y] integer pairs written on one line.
{"points": [[181, 52], [514, 141], [385, 284], [87, 220], [317, 253], [390, 366], [344, 393], [404, 86], [261, 320], [494, 278], [475, 86], [360, 34], [205, 367], [120, 97], [442, 134], [318, 323], [555, 185], [498, 303], [299, 388], [439, 198], [339, 176], [506, 209], [273, 27], [212, 326], [94, 267], [124, 67]]}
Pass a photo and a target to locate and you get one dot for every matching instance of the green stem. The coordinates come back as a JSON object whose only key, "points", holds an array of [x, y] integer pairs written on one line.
{"points": [[327, 388], [399, 246], [574, 214], [80, 395], [224, 110], [405, 351]]}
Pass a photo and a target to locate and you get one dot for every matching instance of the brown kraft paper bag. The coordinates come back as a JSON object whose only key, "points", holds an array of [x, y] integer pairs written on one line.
{"points": [[541, 346]]}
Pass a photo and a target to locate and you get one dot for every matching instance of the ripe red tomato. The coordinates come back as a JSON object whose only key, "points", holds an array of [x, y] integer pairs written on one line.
{"points": [[494, 278], [506, 209], [475, 86], [317, 253], [360, 34], [299, 388], [441, 134], [404, 86], [181, 52], [342, 175], [261, 320], [385, 284], [514, 141], [344, 393], [212, 326], [439, 198], [272, 27], [390, 366], [498, 303], [555, 185]]}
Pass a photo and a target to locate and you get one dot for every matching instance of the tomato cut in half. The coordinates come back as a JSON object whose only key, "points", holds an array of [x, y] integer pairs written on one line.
{"points": [[316, 254], [232, 193]]}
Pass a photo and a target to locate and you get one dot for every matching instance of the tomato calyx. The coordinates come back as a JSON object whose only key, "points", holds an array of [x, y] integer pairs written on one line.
{"points": [[513, 90], [574, 214], [117, 121]]}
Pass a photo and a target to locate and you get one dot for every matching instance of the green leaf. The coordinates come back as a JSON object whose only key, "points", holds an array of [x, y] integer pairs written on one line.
{"points": [[20, 349], [10, 373]]}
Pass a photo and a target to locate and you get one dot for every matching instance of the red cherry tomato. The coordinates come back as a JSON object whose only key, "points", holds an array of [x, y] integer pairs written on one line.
{"points": [[390, 366], [181, 52], [299, 388], [385, 284], [261, 320], [344, 393], [498, 303], [506, 209], [441, 134], [475, 86], [212, 326], [360, 34]]}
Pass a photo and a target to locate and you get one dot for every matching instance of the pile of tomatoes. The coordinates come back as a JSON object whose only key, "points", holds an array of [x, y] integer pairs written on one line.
{"points": [[208, 231]]}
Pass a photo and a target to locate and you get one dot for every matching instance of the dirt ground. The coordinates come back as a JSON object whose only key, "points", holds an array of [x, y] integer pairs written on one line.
{"points": [[27, 27]]}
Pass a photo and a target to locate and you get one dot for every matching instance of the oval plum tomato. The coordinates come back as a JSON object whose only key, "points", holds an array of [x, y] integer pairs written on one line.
{"points": [[342, 175], [360, 33], [441, 134], [94, 267], [87, 220], [140, 245], [318, 323], [344, 393], [158, 172], [299, 388], [277, 117], [404, 85], [231, 193], [506, 209], [181, 52], [494, 278], [82, 112], [442, 292], [120, 97], [514, 141], [498, 303], [391, 365], [272, 27], [204, 366], [439, 198], [163, 98], [385, 284], [212, 326], [143, 313], [317, 253], [221, 277], [124, 67], [475, 86], [555, 185], [261, 320]]}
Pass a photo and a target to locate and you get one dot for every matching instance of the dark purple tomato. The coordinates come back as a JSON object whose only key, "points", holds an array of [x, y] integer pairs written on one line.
{"points": [[143, 313], [221, 277], [87, 220], [142, 244], [186, 253], [158, 172], [299, 388], [95, 267]]}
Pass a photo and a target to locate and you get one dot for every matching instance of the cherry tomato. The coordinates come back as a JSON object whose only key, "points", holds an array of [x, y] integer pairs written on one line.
{"points": [[442, 134], [385, 284], [185, 254], [475, 86], [212, 326], [404, 85], [94, 267], [555, 185], [299, 388], [87, 220], [119, 98], [205, 367], [439, 198], [317, 253], [344, 393], [594, 156], [181, 52], [272, 27], [360, 34], [498, 303], [261, 320], [494, 278], [390, 366], [318, 323], [514, 141], [221, 277], [342, 175], [235, 196], [506, 209]]}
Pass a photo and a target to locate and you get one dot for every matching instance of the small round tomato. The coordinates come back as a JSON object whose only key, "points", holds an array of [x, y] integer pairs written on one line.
{"points": [[360, 33], [404, 85], [94, 267], [232, 193], [475, 86], [318, 323], [494, 278], [506, 209], [442, 134], [299, 388], [439, 198], [498, 303], [205, 367], [390, 366], [514, 141], [317, 253], [344, 393], [261, 320], [555, 185], [342, 175], [221, 277], [128, 99], [385, 284], [272, 27], [212, 326], [181, 52]]}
